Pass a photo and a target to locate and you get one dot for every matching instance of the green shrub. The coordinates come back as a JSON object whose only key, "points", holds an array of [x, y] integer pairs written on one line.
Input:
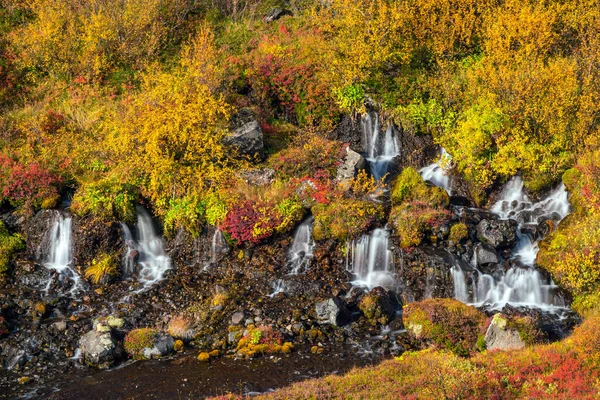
{"points": [[344, 218], [9, 244], [187, 213], [446, 323], [106, 199]]}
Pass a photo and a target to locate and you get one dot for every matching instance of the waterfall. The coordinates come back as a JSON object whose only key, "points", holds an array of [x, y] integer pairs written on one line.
{"points": [[437, 172], [152, 258], [218, 246], [278, 286], [372, 260], [380, 148], [60, 256], [301, 252], [521, 284], [460, 284]]}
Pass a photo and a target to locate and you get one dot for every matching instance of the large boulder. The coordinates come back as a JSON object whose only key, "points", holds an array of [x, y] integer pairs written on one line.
{"points": [[353, 162], [379, 306], [333, 311], [499, 336], [147, 343], [500, 234], [246, 134], [485, 256], [98, 347]]}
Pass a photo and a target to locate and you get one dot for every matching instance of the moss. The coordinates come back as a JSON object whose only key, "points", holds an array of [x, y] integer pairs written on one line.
{"points": [[446, 323], [178, 346], [316, 350], [204, 357], [458, 232], [215, 353], [139, 339], [262, 340], [412, 221]]}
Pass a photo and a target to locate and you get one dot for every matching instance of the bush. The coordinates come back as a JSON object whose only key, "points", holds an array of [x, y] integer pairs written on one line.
{"points": [[446, 323], [139, 339], [102, 269], [187, 213], [106, 199], [409, 186], [412, 221], [345, 219], [181, 327], [458, 232], [9, 244]]}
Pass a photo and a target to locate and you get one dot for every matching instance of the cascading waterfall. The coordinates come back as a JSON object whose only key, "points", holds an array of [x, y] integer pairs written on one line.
{"points": [[437, 172], [278, 286], [60, 256], [218, 245], [522, 284], [371, 260], [381, 149], [460, 284], [152, 258], [301, 252]]}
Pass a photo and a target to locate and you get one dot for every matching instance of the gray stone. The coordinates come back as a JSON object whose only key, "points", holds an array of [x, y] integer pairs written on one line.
{"points": [[499, 337], [276, 13], [500, 234], [333, 311], [237, 317], [353, 162], [60, 326], [485, 255], [98, 349], [246, 134]]}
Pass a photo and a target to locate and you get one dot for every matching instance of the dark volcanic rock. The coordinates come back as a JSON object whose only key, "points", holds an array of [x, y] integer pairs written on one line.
{"points": [[246, 134], [379, 306], [93, 236], [500, 234]]}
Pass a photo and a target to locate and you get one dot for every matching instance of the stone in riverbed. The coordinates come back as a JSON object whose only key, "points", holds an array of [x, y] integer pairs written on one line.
{"points": [[237, 317], [333, 311], [98, 348], [379, 306], [485, 255]]}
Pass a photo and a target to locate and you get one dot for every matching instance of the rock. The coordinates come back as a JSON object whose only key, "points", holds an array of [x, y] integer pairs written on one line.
{"points": [[98, 349], [485, 255], [379, 306], [500, 337], [246, 134], [500, 234], [276, 13], [237, 317], [333, 311], [12, 356], [163, 345], [349, 131], [258, 177], [353, 162], [60, 326]]}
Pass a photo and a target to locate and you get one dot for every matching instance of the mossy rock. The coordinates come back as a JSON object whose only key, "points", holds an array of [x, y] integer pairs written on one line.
{"points": [[409, 186], [445, 323], [378, 306], [414, 220]]}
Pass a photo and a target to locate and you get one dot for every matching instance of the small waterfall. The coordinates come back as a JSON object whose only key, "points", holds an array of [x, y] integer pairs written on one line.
{"points": [[278, 286], [372, 260], [60, 257], [218, 246], [437, 173], [381, 148], [521, 284], [149, 245], [460, 284], [301, 252]]}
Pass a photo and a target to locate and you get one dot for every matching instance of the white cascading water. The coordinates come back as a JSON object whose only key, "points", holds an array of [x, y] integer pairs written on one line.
{"points": [[437, 172], [381, 149], [301, 252], [522, 284], [371, 260], [460, 284], [60, 256], [218, 245], [152, 258], [278, 286]]}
